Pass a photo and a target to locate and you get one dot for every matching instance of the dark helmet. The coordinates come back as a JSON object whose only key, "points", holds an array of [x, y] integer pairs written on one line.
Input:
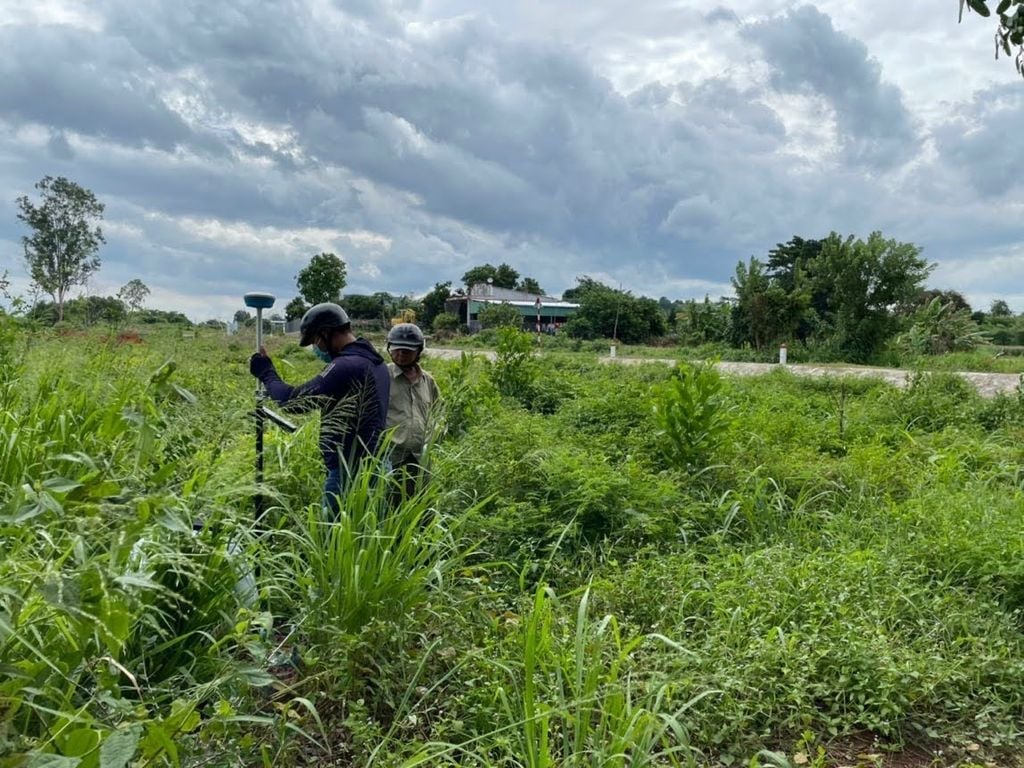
{"points": [[321, 317], [406, 336]]}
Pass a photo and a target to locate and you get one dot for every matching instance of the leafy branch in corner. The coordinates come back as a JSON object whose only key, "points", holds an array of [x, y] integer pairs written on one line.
{"points": [[1011, 26]]}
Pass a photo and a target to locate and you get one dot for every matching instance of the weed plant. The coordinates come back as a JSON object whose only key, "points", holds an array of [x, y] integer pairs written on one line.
{"points": [[811, 560]]}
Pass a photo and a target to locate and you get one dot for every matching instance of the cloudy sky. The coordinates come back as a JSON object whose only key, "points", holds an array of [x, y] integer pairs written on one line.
{"points": [[652, 143]]}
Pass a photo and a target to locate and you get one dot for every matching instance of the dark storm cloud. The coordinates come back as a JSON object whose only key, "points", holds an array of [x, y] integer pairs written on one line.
{"points": [[73, 80], [809, 55], [985, 141], [208, 127], [518, 138], [513, 136]]}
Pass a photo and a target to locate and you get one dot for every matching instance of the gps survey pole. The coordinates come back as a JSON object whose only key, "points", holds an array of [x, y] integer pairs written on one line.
{"points": [[259, 302]]}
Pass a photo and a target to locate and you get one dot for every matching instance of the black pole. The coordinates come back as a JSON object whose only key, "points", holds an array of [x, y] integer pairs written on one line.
{"points": [[259, 501]]}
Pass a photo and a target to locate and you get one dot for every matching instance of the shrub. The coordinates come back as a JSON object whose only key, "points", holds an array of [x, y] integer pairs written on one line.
{"points": [[934, 401], [692, 414], [514, 370], [446, 322], [502, 315]]}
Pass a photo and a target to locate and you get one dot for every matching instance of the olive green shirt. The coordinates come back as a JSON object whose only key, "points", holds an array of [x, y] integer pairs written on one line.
{"points": [[409, 413]]}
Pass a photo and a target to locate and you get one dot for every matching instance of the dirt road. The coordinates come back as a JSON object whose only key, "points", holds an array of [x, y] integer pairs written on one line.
{"points": [[987, 384]]}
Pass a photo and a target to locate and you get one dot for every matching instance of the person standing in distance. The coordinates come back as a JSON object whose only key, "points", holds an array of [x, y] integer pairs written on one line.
{"points": [[351, 393], [414, 395]]}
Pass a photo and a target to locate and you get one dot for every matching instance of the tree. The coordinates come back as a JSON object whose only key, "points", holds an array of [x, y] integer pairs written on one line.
{"points": [[704, 322], [501, 276], [478, 275], [865, 281], [295, 309], [1000, 308], [433, 302], [945, 296], [133, 294], [446, 322], [81, 310], [61, 251], [363, 307], [1010, 30], [91, 310], [529, 285], [502, 315], [242, 317], [764, 313], [152, 316], [939, 327], [323, 279], [505, 277], [615, 314]]}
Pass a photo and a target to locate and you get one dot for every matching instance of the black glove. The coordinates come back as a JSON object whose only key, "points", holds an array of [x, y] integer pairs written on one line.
{"points": [[260, 365]]}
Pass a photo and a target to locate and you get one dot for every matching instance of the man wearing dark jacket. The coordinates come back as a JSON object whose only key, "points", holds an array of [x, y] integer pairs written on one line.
{"points": [[351, 393]]}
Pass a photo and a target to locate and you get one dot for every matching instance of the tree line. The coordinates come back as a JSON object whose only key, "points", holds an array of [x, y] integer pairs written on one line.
{"points": [[838, 297]]}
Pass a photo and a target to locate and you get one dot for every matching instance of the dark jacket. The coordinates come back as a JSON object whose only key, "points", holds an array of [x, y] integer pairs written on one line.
{"points": [[352, 395]]}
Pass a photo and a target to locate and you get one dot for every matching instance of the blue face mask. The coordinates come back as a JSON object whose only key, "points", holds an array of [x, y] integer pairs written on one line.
{"points": [[321, 355]]}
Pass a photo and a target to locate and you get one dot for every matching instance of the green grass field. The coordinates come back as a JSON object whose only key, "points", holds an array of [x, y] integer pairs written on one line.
{"points": [[612, 566]]}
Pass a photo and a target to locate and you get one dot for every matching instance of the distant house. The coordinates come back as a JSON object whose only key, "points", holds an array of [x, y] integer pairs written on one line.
{"points": [[549, 311]]}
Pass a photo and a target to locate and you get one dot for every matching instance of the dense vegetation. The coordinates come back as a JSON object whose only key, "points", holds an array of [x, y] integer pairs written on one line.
{"points": [[612, 566]]}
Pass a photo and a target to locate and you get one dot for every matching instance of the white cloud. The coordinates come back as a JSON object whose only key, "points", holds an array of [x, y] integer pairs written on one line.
{"points": [[655, 144]]}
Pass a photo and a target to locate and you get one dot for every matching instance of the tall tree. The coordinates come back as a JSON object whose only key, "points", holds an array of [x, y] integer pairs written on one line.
{"points": [[945, 296], [295, 309], [866, 280], [501, 276], [478, 275], [61, 251], [788, 261], [529, 285], [133, 294], [703, 322], [322, 279], [505, 276], [1000, 308], [614, 314], [764, 313], [363, 307], [433, 302]]}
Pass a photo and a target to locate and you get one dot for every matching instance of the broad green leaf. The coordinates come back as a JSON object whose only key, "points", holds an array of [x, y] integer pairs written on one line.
{"points": [[1003, 6], [137, 580], [255, 677], [185, 395], [116, 622], [80, 742], [163, 373], [119, 747], [60, 484], [157, 741], [104, 490], [40, 760], [183, 717], [979, 7], [173, 522]]}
